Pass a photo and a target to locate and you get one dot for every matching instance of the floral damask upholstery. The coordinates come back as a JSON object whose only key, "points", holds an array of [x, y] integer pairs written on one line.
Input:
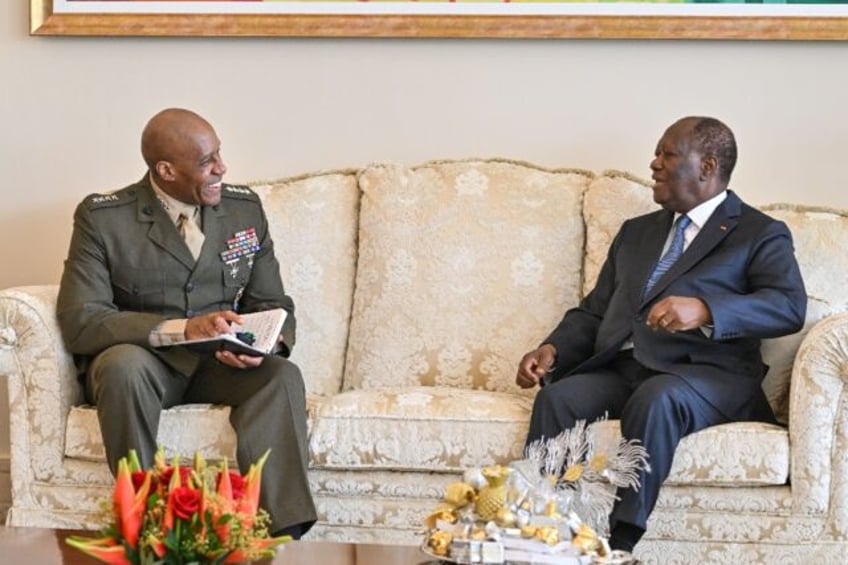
{"points": [[498, 245], [417, 291], [451, 429], [313, 222]]}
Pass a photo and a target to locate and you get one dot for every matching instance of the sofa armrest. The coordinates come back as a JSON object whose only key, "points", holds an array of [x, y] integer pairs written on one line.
{"points": [[818, 423], [42, 384]]}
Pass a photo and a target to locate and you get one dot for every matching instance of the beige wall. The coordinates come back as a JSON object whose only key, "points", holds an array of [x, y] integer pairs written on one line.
{"points": [[72, 109]]}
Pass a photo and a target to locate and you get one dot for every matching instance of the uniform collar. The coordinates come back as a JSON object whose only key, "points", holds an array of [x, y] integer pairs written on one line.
{"points": [[173, 207]]}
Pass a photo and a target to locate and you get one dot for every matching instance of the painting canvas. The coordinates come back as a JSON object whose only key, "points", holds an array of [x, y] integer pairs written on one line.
{"points": [[658, 19]]}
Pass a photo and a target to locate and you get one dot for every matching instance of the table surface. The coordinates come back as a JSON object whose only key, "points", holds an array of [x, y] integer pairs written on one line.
{"points": [[36, 545]]}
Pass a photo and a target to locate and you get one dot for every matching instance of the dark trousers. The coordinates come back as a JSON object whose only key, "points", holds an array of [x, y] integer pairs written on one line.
{"points": [[130, 387], [655, 408]]}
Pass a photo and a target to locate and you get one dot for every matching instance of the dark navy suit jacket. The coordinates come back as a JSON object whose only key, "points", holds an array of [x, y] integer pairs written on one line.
{"points": [[741, 264]]}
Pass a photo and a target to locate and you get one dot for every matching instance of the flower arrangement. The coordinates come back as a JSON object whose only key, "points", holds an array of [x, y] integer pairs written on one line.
{"points": [[178, 515]]}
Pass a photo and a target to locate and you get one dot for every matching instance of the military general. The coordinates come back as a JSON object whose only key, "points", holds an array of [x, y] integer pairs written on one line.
{"points": [[156, 259]]}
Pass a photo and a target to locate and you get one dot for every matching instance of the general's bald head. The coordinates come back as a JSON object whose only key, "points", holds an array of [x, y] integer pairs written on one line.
{"points": [[183, 153], [167, 135]]}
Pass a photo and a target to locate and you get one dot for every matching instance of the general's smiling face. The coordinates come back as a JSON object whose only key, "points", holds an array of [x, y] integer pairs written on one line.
{"points": [[197, 168], [678, 169]]}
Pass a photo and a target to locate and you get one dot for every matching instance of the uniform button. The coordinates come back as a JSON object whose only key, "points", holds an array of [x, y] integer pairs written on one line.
{"points": [[189, 287], [189, 313]]}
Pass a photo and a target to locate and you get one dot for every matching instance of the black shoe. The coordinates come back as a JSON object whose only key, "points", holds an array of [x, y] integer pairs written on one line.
{"points": [[625, 536], [295, 531]]}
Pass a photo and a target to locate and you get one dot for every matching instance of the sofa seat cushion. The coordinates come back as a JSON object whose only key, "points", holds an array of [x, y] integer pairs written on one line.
{"points": [[182, 429], [437, 429], [739, 454]]}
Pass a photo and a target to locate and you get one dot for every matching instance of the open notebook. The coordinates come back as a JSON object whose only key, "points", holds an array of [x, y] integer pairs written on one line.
{"points": [[258, 334]]}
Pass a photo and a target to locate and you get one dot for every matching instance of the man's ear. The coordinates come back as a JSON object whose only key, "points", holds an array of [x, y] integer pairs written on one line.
{"points": [[165, 170], [709, 166]]}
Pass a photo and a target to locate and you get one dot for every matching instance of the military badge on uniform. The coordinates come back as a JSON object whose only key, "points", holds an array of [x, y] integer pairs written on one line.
{"points": [[243, 244]]}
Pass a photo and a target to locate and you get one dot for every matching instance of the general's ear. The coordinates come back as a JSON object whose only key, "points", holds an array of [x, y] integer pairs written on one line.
{"points": [[165, 170]]}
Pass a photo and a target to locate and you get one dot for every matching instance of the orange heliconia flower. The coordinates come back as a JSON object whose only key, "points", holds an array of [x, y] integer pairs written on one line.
{"points": [[103, 549], [129, 504]]}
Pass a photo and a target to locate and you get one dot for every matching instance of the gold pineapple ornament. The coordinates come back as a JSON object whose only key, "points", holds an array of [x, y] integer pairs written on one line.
{"points": [[492, 497]]}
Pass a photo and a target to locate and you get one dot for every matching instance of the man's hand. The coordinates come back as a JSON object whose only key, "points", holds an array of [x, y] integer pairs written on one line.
{"points": [[217, 323], [535, 365], [679, 313], [240, 361], [211, 325]]}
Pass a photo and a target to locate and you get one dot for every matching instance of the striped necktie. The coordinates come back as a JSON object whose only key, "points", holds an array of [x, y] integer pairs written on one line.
{"points": [[674, 252]]}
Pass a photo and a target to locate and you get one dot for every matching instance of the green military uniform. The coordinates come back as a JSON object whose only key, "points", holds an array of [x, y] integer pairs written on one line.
{"points": [[127, 271]]}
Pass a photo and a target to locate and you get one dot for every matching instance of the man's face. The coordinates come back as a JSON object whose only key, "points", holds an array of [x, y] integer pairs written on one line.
{"points": [[196, 167], [677, 170]]}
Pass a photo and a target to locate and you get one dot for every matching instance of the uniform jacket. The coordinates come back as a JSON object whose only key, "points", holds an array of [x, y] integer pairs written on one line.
{"points": [[128, 269], [741, 264]]}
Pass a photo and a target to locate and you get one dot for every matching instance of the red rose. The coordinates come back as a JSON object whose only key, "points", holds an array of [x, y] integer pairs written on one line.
{"points": [[185, 473], [186, 502], [238, 485], [138, 479]]}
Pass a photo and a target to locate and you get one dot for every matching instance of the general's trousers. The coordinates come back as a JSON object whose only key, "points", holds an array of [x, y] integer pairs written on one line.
{"points": [[131, 386]]}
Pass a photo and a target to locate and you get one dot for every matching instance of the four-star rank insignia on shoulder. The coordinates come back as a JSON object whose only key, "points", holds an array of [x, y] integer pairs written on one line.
{"points": [[240, 192], [105, 200]]}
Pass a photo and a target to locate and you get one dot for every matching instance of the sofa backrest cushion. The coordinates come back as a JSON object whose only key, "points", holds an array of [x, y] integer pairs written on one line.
{"points": [[313, 221], [463, 267], [818, 235], [612, 197]]}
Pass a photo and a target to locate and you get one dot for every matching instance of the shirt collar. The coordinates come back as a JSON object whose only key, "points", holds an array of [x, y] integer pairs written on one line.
{"points": [[702, 212], [172, 206]]}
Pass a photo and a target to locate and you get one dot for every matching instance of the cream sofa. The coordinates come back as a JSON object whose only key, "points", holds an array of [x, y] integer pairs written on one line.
{"points": [[418, 289]]}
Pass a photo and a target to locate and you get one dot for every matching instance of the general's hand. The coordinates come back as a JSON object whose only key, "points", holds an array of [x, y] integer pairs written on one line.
{"points": [[240, 361], [679, 313], [211, 325], [217, 323], [535, 365]]}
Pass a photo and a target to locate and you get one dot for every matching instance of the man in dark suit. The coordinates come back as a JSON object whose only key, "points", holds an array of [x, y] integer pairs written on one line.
{"points": [[668, 341], [181, 254]]}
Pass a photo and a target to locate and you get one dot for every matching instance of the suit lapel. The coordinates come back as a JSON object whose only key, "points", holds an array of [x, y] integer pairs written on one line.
{"points": [[162, 231], [652, 244], [723, 221]]}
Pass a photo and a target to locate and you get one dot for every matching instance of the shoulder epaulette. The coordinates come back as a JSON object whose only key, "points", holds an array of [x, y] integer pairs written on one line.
{"points": [[242, 192], [109, 199]]}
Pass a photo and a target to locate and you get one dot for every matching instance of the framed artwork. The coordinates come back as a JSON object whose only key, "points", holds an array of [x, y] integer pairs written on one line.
{"points": [[628, 19]]}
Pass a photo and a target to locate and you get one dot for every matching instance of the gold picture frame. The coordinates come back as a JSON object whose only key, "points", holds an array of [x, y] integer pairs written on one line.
{"points": [[43, 21]]}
